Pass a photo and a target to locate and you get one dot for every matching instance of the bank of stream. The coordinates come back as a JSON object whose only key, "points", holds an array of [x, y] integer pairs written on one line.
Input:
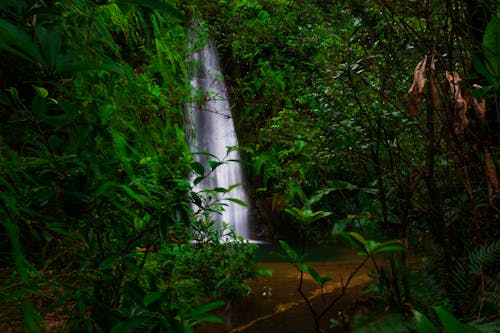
{"points": [[275, 304]]}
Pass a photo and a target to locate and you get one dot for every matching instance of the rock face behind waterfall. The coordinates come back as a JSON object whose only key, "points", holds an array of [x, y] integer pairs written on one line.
{"points": [[211, 130]]}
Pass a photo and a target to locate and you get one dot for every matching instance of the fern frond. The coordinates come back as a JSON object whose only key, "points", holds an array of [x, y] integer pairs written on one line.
{"points": [[460, 280], [485, 257], [492, 284], [483, 326], [387, 323], [425, 289]]}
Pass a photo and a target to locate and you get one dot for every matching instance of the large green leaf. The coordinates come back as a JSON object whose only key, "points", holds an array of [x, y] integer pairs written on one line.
{"points": [[451, 323], [50, 45], [19, 43], [424, 325], [198, 168], [491, 46]]}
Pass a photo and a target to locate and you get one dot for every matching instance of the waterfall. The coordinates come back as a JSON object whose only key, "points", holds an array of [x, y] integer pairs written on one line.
{"points": [[211, 130]]}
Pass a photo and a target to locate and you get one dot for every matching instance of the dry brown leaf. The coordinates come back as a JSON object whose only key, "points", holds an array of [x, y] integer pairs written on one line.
{"points": [[461, 121], [480, 108], [417, 87]]}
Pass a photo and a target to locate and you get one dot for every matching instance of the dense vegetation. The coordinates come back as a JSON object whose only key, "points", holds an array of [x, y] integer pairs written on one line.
{"points": [[370, 118]]}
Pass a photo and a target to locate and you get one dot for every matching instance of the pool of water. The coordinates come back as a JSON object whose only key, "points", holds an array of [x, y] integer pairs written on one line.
{"points": [[276, 306]]}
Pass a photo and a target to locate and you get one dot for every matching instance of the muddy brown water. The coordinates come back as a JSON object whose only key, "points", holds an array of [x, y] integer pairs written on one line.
{"points": [[275, 306]]}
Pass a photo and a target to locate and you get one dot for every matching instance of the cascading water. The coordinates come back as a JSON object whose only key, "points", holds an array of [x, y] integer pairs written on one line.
{"points": [[211, 130]]}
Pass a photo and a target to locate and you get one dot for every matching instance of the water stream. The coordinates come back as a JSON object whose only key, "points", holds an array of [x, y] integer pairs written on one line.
{"points": [[211, 130]]}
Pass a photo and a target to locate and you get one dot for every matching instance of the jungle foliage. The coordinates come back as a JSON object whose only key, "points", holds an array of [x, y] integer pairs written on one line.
{"points": [[375, 120], [95, 208]]}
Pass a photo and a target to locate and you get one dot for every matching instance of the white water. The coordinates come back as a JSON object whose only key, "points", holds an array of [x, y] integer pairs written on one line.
{"points": [[211, 129]]}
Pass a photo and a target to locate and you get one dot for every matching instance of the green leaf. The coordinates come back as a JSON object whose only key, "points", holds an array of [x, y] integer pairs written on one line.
{"points": [[158, 5], [139, 198], [32, 318], [151, 298], [212, 319], [355, 239], [198, 180], [284, 245], [198, 168], [134, 292], [19, 43], [424, 325], [340, 226], [268, 273], [292, 256], [337, 185], [314, 274], [119, 328], [450, 322], [302, 267], [389, 246], [238, 201], [320, 215], [64, 67], [326, 279], [50, 44], [206, 308], [214, 164], [104, 189], [42, 92], [295, 212], [481, 69], [491, 46]]}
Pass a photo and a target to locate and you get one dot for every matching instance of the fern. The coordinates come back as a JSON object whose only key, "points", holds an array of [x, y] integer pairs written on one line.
{"points": [[387, 323], [425, 289], [485, 257], [483, 326], [492, 290]]}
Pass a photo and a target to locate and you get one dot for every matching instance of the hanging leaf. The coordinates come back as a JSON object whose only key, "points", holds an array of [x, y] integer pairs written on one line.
{"points": [[238, 201], [461, 121], [417, 88], [491, 47]]}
